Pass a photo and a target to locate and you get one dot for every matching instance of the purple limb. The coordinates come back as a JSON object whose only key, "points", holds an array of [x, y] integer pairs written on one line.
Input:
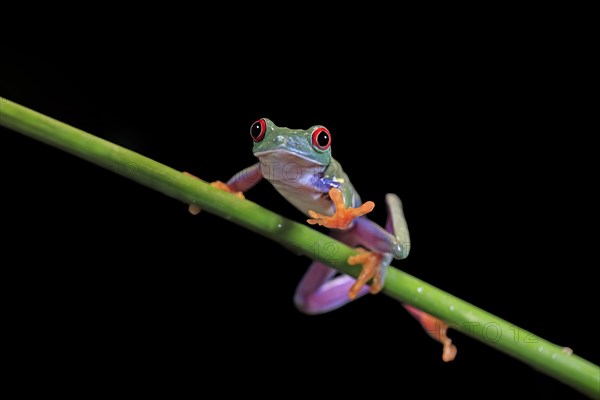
{"points": [[320, 291], [245, 179]]}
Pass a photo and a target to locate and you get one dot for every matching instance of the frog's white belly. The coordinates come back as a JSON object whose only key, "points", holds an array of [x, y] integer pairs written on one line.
{"points": [[295, 179], [305, 198]]}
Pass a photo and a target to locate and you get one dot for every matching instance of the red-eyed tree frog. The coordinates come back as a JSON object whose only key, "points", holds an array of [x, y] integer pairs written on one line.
{"points": [[298, 163]]}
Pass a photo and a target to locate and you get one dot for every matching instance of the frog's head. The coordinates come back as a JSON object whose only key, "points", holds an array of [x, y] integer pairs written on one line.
{"points": [[310, 146]]}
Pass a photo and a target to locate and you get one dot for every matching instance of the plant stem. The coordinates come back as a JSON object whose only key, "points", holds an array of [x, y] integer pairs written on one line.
{"points": [[542, 355]]}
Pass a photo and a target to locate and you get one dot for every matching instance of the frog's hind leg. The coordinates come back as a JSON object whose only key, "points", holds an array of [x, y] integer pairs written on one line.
{"points": [[435, 327], [396, 223], [321, 291], [394, 239], [383, 245]]}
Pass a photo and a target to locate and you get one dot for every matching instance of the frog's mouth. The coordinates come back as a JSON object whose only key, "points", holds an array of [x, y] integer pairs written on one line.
{"points": [[287, 157]]}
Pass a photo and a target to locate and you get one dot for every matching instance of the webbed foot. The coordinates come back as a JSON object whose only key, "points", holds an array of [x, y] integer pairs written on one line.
{"points": [[437, 329], [372, 268], [343, 216], [195, 209]]}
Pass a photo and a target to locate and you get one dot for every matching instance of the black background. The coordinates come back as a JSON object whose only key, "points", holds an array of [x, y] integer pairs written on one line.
{"points": [[487, 153]]}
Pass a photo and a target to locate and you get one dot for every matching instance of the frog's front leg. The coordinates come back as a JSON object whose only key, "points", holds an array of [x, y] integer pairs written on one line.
{"points": [[238, 184], [343, 216]]}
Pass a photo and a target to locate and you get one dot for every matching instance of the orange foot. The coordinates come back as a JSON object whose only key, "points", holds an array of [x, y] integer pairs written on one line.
{"points": [[195, 210], [437, 329], [371, 269], [343, 217]]}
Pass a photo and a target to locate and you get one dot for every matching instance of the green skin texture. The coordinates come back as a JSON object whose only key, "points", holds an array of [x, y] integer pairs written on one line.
{"points": [[546, 357], [296, 160]]}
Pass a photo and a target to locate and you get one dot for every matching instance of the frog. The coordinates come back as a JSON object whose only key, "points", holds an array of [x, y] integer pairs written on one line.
{"points": [[299, 165]]}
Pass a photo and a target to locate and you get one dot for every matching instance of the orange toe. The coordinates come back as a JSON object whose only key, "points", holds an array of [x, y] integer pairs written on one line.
{"points": [[343, 216], [437, 329], [225, 187], [188, 174], [337, 198], [364, 208], [316, 218], [449, 352], [370, 270], [195, 209], [192, 208]]}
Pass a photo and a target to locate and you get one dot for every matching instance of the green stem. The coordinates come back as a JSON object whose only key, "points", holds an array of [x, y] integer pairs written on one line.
{"points": [[546, 357]]}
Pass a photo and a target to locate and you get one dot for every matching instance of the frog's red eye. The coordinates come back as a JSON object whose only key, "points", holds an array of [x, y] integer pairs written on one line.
{"points": [[258, 129], [321, 138]]}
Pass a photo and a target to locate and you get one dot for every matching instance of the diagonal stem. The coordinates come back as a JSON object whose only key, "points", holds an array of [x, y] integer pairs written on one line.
{"points": [[542, 355]]}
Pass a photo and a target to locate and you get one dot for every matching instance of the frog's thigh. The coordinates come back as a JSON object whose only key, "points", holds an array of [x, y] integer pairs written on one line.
{"points": [[321, 291], [372, 236], [396, 222], [394, 240]]}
